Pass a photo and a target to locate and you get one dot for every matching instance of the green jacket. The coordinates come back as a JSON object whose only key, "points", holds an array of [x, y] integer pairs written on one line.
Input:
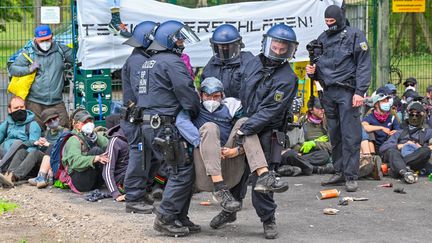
{"points": [[75, 152], [49, 82]]}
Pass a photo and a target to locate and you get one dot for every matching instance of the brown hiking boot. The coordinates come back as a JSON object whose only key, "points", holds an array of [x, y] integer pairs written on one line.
{"points": [[377, 173], [7, 179]]}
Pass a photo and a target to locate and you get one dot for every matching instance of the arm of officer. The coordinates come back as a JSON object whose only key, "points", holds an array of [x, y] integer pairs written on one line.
{"points": [[187, 129], [363, 61], [128, 93], [20, 66], [281, 95], [392, 142], [183, 87]]}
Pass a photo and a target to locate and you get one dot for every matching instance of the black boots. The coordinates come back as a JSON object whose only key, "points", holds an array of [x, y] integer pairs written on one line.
{"points": [[226, 200], [267, 182], [270, 228], [335, 179], [222, 219]]}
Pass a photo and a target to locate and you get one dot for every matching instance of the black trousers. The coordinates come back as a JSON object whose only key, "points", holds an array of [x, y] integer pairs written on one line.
{"points": [[91, 178], [345, 130], [23, 162], [415, 161], [306, 162]]}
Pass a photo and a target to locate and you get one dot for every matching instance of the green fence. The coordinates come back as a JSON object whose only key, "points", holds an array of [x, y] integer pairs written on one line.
{"points": [[409, 38]]}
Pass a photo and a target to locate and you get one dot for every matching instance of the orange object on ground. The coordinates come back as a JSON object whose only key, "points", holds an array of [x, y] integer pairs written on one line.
{"points": [[384, 169], [205, 203], [328, 194]]}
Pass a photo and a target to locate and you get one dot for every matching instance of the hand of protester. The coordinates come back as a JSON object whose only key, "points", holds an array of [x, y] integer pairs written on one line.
{"points": [[33, 67], [392, 132], [307, 146], [310, 69], [121, 198], [357, 100], [386, 130], [323, 139], [229, 153], [103, 158]]}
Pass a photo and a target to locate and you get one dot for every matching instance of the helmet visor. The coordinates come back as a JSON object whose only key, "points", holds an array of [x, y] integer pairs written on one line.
{"points": [[278, 49], [187, 35], [226, 51]]}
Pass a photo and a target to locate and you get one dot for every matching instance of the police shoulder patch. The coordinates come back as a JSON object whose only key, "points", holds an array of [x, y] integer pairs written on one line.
{"points": [[363, 46], [278, 96]]}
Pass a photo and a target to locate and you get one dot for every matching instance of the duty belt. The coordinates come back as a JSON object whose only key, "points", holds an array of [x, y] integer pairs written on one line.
{"points": [[157, 120]]}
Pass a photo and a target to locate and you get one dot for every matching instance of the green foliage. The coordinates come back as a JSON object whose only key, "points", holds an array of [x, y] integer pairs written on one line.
{"points": [[10, 11], [6, 206]]}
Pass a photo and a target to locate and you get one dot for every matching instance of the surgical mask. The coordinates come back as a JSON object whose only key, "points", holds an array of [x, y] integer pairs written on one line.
{"points": [[45, 45], [211, 105], [19, 115], [88, 128], [54, 124], [385, 106]]}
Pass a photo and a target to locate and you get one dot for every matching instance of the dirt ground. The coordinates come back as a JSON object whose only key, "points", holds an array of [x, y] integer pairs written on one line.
{"points": [[54, 215]]}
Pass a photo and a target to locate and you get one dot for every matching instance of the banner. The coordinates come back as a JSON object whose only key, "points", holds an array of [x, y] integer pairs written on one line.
{"points": [[99, 48]]}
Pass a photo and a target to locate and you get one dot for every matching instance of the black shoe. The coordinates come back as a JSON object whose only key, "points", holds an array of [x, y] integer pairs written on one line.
{"points": [[289, 170], [193, 228], [139, 207], [222, 219], [226, 200], [335, 179], [269, 183], [173, 229], [270, 229], [410, 177], [351, 185], [326, 169], [148, 199], [157, 194]]}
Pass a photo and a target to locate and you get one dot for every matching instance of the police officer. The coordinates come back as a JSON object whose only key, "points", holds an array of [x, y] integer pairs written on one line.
{"points": [[228, 59], [344, 69], [269, 88], [133, 76], [167, 88]]}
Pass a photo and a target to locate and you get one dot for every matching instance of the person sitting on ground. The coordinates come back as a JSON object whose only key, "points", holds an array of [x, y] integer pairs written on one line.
{"points": [[19, 135], [84, 153], [312, 155], [217, 153], [410, 84], [118, 155], [51, 118], [409, 149]]}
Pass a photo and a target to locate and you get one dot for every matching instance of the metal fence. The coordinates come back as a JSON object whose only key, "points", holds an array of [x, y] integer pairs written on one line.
{"points": [[409, 40]]}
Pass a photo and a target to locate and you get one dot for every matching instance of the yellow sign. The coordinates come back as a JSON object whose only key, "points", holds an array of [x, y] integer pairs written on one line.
{"points": [[408, 6]]}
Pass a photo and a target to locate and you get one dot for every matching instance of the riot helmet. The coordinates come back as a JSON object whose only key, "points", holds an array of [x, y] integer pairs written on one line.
{"points": [[143, 34], [226, 42], [172, 31], [279, 43]]}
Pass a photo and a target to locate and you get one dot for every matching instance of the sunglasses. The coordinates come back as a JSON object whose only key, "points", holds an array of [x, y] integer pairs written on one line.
{"points": [[415, 114]]}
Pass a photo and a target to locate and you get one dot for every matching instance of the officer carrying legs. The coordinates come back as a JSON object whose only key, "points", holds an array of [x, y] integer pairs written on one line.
{"points": [[167, 88], [344, 70], [228, 59], [268, 90], [137, 173]]}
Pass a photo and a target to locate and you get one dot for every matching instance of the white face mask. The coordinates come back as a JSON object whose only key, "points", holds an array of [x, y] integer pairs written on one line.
{"points": [[211, 105], [88, 128], [45, 45]]}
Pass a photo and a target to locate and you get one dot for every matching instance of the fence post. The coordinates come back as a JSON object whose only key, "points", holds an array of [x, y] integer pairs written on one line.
{"points": [[37, 14], [383, 59]]}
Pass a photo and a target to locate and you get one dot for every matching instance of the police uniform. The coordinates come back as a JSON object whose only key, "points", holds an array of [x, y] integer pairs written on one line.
{"points": [[229, 72], [265, 95], [344, 69]]}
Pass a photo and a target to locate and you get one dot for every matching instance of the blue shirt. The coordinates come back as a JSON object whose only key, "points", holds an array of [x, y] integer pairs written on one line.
{"points": [[390, 123]]}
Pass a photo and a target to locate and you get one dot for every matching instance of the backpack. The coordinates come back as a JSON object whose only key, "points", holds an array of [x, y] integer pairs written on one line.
{"points": [[59, 171]]}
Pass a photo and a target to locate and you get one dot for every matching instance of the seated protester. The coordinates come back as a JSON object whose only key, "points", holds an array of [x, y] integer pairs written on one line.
{"points": [[118, 154], [379, 122], [312, 155], [394, 96], [51, 119], [216, 154], [427, 101], [410, 84], [409, 149], [19, 135], [407, 97], [83, 154]]}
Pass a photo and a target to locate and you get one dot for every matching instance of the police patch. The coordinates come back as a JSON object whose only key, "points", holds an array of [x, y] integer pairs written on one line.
{"points": [[363, 46], [278, 96]]}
